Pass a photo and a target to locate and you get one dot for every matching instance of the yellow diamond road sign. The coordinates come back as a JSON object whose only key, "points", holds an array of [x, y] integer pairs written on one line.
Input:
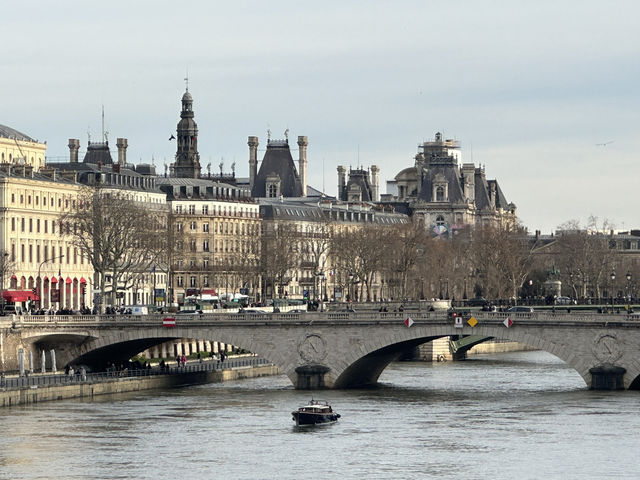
{"points": [[472, 321]]}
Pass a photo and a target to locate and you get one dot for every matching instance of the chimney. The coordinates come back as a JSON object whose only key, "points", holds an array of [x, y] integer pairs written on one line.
{"points": [[302, 162], [74, 146], [122, 145], [341, 179], [468, 172], [375, 196], [253, 160]]}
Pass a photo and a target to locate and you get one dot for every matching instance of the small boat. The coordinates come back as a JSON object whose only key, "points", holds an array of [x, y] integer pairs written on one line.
{"points": [[315, 413]]}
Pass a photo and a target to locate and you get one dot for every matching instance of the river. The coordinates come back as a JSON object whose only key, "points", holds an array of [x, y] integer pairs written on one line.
{"points": [[521, 415]]}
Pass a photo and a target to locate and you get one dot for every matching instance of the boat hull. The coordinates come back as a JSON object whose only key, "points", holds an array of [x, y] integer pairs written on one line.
{"points": [[303, 418]]}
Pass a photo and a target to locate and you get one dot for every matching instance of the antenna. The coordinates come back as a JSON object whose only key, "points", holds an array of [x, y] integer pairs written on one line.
{"points": [[186, 79], [103, 137], [322, 176]]}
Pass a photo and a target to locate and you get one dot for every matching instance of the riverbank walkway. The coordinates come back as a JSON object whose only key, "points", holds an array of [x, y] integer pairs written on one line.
{"points": [[33, 380]]}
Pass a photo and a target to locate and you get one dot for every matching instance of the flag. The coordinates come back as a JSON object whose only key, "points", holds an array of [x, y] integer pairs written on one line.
{"points": [[408, 322], [508, 322], [169, 322]]}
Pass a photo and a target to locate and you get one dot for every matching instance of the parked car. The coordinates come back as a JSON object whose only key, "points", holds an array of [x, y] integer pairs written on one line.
{"points": [[478, 302], [252, 310], [520, 309]]}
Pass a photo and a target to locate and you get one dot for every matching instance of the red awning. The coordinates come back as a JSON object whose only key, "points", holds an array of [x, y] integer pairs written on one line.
{"points": [[19, 295], [82, 280], [208, 291], [54, 280], [69, 280], [13, 277]]}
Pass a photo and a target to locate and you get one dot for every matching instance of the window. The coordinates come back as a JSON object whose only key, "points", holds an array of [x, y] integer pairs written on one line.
{"points": [[192, 246], [440, 220], [194, 226], [22, 224], [192, 209], [38, 224], [205, 246], [179, 227], [13, 224], [180, 281], [205, 210], [31, 225], [272, 191], [205, 227], [193, 281], [178, 208]]}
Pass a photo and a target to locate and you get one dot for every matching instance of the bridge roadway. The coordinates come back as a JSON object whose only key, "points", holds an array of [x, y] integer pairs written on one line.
{"points": [[333, 349]]}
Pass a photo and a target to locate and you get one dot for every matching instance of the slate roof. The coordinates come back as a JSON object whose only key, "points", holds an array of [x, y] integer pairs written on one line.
{"points": [[451, 175], [8, 132], [278, 161]]}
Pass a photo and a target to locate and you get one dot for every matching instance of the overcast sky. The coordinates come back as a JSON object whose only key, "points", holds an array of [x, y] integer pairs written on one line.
{"points": [[529, 88]]}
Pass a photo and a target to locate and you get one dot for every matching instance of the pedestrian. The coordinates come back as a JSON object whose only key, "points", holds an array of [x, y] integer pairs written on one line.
{"points": [[222, 356], [199, 358], [184, 359]]}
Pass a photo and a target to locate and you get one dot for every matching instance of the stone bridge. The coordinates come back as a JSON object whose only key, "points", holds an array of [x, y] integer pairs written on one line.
{"points": [[334, 350]]}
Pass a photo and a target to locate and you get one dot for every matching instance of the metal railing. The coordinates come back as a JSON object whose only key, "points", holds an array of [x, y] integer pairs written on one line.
{"points": [[49, 380]]}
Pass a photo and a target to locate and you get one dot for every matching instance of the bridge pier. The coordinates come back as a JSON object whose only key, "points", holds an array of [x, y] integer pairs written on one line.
{"points": [[607, 377], [311, 377]]}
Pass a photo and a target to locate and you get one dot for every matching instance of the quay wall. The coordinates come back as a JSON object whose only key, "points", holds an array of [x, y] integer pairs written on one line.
{"points": [[31, 395]]}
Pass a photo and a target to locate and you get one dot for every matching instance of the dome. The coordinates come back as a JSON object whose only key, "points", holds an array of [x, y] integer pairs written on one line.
{"points": [[8, 132], [187, 97]]}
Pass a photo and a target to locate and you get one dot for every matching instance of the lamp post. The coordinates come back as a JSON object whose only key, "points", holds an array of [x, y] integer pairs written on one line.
{"points": [[628, 293], [613, 277], [3, 273], [39, 281], [349, 287]]}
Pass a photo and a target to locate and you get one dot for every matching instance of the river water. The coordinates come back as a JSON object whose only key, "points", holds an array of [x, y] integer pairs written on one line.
{"points": [[510, 416]]}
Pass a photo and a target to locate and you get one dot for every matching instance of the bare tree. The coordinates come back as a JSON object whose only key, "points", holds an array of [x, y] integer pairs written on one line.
{"points": [[279, 255], [118, 235]]}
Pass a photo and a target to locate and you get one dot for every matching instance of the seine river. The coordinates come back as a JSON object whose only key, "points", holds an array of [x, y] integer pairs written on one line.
{"points": [[510, 416]]}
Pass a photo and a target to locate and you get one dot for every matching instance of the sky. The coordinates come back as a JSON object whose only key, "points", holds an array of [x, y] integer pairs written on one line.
{"points": [[545, 95]]}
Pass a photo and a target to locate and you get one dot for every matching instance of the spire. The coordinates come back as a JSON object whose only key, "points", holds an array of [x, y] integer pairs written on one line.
{"points": [[187, 164]]}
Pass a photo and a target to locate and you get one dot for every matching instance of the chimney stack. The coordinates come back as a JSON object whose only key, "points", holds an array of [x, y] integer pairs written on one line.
{"points": [[122, 145], [303, 142], [375, 190], [341, 179], [74, 146], [253, 160]]}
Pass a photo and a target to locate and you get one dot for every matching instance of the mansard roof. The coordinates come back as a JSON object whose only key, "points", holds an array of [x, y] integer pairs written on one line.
{"points": [[98, 152], [451, 174], [279, 162]]}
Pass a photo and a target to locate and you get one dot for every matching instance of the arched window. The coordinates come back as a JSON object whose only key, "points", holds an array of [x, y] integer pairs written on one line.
{"points": [[440, 220]]}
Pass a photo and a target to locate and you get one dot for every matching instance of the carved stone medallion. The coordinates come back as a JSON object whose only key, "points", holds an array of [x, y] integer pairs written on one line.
{"points": [[312, 348], [606, 348]]}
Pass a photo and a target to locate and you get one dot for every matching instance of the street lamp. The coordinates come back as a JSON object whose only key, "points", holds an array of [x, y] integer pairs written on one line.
{"points": [[613, 277], [3, 272], [628, 292], [349, 286], [39, 281]]}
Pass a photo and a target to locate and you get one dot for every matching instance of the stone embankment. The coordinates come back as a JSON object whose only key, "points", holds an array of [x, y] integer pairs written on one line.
{"points": [[103, 386]]}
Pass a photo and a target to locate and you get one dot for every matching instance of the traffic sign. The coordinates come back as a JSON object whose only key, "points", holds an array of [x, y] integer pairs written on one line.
{"points": [[508, 322], [408, 322], [472, 321], [458, 322]]}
